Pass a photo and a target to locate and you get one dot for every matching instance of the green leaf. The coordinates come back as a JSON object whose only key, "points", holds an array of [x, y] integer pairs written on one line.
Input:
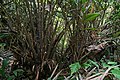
{"points": [[2, 72], [83, 9], [4, 35], [49, 79], [105, 65], [93, 29], [117, 34], [94, 63], [2, 44], [86, 65], [74, 67], [112, 63], [84, 1], [18, 71], [91, 16], [116, 73], [15, 73], [5, 63], [11, 77]]}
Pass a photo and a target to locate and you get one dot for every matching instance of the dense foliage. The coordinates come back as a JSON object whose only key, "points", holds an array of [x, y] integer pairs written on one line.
{"points": [[59, 39]]}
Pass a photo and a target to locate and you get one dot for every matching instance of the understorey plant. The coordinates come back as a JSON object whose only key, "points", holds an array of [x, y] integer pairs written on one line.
{"points": [[44, 33]]}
